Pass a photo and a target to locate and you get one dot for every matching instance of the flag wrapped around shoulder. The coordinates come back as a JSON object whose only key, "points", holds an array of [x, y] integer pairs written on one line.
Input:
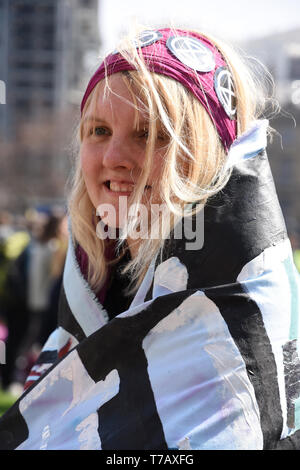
{"points": [[205, 357]]}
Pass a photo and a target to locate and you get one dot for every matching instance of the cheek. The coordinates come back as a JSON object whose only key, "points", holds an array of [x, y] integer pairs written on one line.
{"points": [[89, 164], [157, 168], [90, 168], [155, 178]]}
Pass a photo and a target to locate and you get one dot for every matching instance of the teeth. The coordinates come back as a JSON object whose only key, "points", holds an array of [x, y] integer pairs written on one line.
{"points": [[121, 187]]}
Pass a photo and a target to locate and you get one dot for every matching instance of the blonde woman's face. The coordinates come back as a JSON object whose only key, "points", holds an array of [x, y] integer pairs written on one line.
{"points": [[113, 149]]}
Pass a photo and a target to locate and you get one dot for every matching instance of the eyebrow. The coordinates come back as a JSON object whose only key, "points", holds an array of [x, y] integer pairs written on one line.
{"points": [[93, 118]]}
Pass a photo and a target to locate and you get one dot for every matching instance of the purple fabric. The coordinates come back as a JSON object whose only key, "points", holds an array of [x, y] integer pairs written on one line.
{"points": [[82, 260], [160, 59]]}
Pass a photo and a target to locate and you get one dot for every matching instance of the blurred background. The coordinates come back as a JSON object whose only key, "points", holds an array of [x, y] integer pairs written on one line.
{"points": [[48, 50]]}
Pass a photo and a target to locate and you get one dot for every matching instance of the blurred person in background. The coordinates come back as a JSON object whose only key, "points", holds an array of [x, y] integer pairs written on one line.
{"points": [[6, 230], [31, 292], [163, 341], [59, 245], [6, 225], [14, 238]]}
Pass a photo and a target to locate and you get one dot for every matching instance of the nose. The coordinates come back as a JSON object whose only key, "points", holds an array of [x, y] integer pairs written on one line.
{"points": [[118, 155]]}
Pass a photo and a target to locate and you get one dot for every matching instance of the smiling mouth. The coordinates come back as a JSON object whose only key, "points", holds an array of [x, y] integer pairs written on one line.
{"points": [[121, 187]]}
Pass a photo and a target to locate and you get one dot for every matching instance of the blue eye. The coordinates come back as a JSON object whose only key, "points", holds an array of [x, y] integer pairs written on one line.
{"points": [[99, 130], [145, 135]]}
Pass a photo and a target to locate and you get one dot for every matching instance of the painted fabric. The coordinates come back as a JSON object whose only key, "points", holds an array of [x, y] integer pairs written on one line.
{"points": [[205, 357]]}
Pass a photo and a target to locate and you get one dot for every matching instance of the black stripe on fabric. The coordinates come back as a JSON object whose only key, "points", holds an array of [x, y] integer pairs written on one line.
{"points": [[240, 222], [13, 429], [245, 323], [66, 318], [130, 419]]}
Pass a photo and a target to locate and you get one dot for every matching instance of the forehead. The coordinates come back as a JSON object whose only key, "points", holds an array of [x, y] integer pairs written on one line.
{"points": [[114, 87], [116, 97]]}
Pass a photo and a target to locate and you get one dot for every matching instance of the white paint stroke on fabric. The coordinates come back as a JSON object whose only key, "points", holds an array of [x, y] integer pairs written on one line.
{"points": [[199, 380], [64, 406], [249, 144], [45, 437], [184, 444], [139, 298], [135, 310], [264, 279], [238, 383], [87, 310], [83, 388], [88, 429], [268, 260], [170, 276]]}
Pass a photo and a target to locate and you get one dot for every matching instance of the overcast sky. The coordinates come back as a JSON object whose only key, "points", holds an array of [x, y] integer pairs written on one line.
{"points": [[228, 19]]}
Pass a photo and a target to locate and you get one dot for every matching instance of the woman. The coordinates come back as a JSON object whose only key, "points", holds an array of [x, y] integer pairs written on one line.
{"points": [[165, 341]]}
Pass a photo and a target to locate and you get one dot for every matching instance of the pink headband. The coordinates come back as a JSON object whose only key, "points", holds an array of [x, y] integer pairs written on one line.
{"points": [[191, 60]]}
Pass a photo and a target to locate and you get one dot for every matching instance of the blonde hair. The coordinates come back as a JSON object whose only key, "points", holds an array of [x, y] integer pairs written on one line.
{"points": [[193, 165]]}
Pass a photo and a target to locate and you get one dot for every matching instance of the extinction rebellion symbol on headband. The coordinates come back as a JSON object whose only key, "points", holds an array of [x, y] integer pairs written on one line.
{"points": [[148, 37], [192, 52], [225, 91]]}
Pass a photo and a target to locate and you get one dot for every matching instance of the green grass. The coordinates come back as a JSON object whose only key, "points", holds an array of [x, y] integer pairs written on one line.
{"points": [[6, 401]]}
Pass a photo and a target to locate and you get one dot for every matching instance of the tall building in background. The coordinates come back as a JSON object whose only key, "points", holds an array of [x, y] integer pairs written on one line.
{"points": [[34, 49], [46, 50], [84, 54]]}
